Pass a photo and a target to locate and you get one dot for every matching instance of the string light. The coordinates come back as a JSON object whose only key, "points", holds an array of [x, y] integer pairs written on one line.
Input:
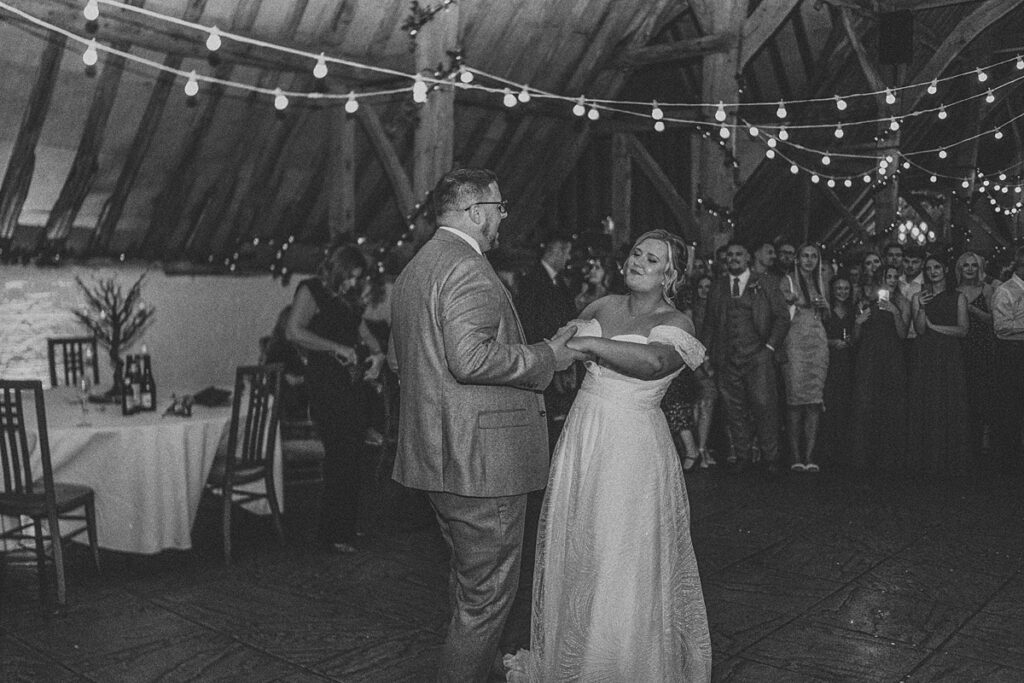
{"points": [[933, 87], [815, 178], [723, 132], [866, 178], [419, 90], [465, 75], [509, 100], [847, 183], [351, 104], [720, 114], [890, 96], [754, 132], [894, 125], [280, 100], [998, 135], [772, 142], [826, 160], [840, 103], [659, 126], [769, 153], [839, 131], [982, 76], [783, 134], [781, 111], [794, 169], [656, 113], [831, 182], [943, 154], [579, 109], [191, 85], [990, 96], [213, 41], [320, 70], [524, 95], [1020, 63], [942, 112], [92, 10], [91, 56], [593, 114]]}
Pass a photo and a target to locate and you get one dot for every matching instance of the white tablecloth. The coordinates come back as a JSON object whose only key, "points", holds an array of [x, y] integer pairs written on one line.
{"points": [[147, 470]]}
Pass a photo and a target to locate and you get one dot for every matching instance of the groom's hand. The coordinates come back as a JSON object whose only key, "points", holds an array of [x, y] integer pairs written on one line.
{"points": [[564, 356]]}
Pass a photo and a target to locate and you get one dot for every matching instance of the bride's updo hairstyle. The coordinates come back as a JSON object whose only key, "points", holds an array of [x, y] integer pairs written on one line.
{"points": [[677, 256]]}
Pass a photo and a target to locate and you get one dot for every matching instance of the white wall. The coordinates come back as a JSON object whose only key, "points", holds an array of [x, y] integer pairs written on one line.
{"points": [[203, 328]]}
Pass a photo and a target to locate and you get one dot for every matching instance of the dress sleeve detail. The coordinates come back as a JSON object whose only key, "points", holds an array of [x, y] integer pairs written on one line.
{"points": [[685, 344]]}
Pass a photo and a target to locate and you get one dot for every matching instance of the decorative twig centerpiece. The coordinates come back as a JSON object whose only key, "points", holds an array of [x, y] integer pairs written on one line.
{"points": [[114, 316]]}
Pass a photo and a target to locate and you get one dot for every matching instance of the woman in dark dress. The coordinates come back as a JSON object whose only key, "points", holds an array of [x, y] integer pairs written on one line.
{"points": [[977, 346], [326, 321], [937, 419], [878, 436], [839, 381]]}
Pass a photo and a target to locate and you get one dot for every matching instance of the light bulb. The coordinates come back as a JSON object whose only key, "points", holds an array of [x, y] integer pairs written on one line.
{"points": [[1002, 176], [659, 126], [831, 182], [92, 10], [772, 142], [794, 169], [998, 134], [982, 76], [906, 165], [847, 183], [724, 132], [509, 100], [280, 100], [720, 114], [1020, 63], [593, 114], [866, 178], [826, 160], [943, 154], [656, 113], [213, 41], [419, 90], [90, 56], [840, 103], [894, 125], [839, 131], [465, 75], [990, 97], [320, 70], [933, 87], [578, 109], [524, 95], [932, 179], [769, 153], [815, 178], [192, 85], [783, 134], [890, 96], [781, 111], [942, 112], [351, 103]]}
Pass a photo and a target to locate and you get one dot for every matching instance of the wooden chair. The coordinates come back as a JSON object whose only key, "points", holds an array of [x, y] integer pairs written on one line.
{"points": [[24, 495], [251, 446], [72, 360]]}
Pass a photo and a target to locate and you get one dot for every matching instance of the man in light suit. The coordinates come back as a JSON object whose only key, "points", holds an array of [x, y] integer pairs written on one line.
{"points": [[472, 429]]}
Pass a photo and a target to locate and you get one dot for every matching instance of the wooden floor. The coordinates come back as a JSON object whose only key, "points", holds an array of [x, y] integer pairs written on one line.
{"points": [[806, 578]]}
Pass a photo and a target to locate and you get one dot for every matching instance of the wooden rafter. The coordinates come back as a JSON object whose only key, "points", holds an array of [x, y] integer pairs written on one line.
{"points": [[388, 157], [803, 44], [681, 211], [678, 51], [867, 65], [22, 163], [761, 25]]}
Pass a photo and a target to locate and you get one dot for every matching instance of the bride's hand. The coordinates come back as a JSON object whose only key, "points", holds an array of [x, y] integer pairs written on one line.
{"points": [[581, 344]]}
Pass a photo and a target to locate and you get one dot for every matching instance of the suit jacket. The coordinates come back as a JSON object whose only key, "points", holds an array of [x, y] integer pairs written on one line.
{"points": [[768, 307], [472, 417], [543, 306]]}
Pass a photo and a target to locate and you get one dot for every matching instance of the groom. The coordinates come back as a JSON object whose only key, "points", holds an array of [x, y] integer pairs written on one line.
{"points": [[472, 431]]}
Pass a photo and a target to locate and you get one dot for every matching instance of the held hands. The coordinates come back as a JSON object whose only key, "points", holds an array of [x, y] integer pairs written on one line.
{"points": [[373, 370], [886, 305], [564, 354], [346, 355]]}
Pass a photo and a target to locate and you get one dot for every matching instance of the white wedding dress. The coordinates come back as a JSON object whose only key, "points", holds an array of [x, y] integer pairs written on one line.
{"points": [[616, 593]]}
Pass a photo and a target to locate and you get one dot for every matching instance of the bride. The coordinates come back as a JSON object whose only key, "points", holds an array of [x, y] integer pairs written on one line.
{"points": [[616, 594]]}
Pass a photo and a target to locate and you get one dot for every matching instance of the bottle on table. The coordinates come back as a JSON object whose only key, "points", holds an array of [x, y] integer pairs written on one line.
{"points": [[147, 385], [129, 387]]}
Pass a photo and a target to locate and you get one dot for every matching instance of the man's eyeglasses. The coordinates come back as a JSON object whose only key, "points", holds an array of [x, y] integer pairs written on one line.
{"points": [[502, 206]]}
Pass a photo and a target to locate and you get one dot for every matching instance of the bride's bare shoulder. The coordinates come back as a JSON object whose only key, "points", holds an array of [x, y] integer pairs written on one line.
{"points": [[676, 318], [602, 307]]}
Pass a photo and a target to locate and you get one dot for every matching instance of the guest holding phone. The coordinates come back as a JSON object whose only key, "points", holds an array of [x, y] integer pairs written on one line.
{"points": [[878, 435], [938, 389]]}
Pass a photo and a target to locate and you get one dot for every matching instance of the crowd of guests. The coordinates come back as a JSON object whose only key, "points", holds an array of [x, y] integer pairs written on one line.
{"points": [[897, 359]]}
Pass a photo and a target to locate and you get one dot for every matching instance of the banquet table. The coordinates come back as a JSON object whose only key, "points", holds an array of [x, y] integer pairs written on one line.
{"points": [[147, 469]]}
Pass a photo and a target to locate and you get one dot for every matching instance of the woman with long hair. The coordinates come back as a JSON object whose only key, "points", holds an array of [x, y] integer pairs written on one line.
{"points": [[878, 416], [978, 346], [839, 381], [598, 280], [805, 357], [937, 416], [705, 407], [327, 323]]}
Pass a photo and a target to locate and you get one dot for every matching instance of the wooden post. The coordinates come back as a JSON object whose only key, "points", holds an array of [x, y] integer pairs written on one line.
{"points": [[622, 189], [434, 144], [341, 188], [22, 163], [717, 180]]}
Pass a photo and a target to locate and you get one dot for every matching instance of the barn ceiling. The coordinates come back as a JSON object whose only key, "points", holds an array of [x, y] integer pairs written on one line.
{"points": [[117, 158]]}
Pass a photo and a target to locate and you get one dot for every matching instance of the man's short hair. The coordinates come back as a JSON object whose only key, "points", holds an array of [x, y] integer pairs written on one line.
{"points": [[736, 243], [555, 240], [759, 244], [893, 245], [722, 249], [461, 187]]}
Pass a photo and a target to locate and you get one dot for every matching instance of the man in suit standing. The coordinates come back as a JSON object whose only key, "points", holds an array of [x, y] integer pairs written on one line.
{"points": [[745, 323], [472, 431], [545, 304]]}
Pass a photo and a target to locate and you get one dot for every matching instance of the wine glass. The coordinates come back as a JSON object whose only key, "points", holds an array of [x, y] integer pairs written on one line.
{"points": [[84, 387]]}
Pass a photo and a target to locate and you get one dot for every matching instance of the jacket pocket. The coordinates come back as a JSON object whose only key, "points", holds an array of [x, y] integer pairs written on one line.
{"points": [[500, 419]]}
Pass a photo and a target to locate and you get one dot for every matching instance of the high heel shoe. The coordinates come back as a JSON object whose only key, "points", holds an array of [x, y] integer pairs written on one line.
{"points": [[706, 459], [689, 461]]}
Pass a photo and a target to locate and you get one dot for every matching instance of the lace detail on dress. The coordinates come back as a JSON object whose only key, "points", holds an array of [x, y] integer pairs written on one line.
{"points": [[689, 348]]}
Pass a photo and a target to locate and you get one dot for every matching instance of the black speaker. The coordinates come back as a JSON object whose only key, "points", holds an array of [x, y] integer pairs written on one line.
{"points": [[896, 37]]}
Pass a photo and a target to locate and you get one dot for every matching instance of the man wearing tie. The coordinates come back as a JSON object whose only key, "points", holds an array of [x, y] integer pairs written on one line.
{"points": [[745, 323]]}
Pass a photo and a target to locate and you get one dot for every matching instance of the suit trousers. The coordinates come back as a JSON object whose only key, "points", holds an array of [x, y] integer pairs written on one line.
{"points": [[749, 391], [1009, 406], [485, 537]]}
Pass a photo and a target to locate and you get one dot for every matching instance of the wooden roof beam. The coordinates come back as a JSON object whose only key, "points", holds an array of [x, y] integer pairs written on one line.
{"points": [[120, 26], [678, 51], [681, 210]]}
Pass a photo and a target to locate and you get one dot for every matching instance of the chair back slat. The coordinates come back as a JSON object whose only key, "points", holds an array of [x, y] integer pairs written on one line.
{"points": [[15, 453], [257, 432], [72, 360]]}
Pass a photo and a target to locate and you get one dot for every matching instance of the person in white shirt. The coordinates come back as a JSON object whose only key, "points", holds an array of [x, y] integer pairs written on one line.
{"points": [[1008, 323]]}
